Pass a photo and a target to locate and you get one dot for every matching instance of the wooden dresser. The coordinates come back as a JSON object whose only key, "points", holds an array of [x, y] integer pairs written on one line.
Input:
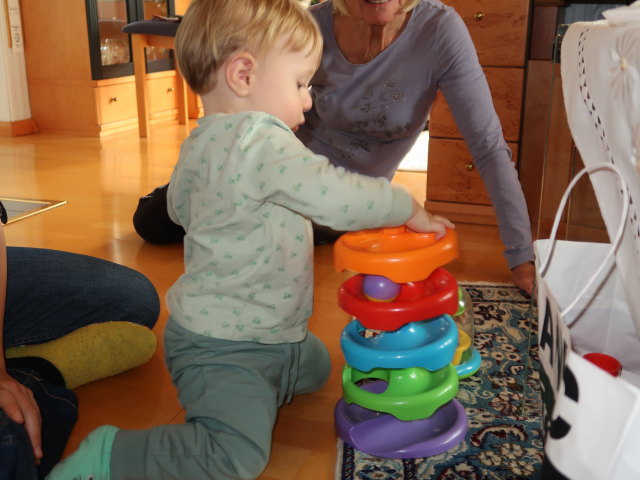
{"points": [[499, 29]]}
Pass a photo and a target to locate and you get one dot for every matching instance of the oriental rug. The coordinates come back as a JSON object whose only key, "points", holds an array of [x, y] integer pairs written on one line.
{"points": [[502, 401]]}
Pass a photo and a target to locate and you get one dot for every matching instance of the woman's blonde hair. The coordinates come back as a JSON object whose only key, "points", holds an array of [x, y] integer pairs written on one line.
{"points": [[211, 30], [340, 7]]}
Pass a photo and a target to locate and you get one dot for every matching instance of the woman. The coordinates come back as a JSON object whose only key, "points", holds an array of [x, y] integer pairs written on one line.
{"points": [[382, 64]]}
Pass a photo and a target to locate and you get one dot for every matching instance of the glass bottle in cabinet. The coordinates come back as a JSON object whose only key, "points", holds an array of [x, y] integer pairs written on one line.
{"points": [[110, 49]]}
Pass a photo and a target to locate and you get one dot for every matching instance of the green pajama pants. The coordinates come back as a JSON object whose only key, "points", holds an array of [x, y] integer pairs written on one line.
{"points": [[231, 392]]}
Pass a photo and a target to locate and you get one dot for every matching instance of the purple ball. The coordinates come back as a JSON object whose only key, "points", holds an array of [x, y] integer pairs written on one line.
{"points": [[380, 289]]}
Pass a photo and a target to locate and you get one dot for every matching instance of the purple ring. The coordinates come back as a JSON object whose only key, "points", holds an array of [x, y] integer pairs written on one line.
{"points": [[383, 435]]}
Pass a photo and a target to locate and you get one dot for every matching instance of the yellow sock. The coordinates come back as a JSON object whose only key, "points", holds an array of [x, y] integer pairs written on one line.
{"points": [[93, 352]]}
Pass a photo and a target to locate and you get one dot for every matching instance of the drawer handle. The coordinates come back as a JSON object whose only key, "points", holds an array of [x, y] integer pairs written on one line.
{"points": [[469, 166], [170, 89], [478, 16], [113, 99]]}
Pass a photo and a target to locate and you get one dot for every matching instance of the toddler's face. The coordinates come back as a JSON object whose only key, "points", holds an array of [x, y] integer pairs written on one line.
{"points": [[282, 84]]}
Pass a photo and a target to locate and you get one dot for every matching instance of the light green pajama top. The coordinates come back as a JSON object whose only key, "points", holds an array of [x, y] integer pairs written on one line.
{"points": [[245, 189]]}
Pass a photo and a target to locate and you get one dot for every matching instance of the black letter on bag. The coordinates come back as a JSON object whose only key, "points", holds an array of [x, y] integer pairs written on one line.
{"points": [[559, 427], [546, 338]]}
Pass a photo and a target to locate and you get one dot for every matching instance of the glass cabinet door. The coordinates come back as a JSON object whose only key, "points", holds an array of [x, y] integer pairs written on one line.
{"points": [[151, 9], [110, 49], [114, 45]]}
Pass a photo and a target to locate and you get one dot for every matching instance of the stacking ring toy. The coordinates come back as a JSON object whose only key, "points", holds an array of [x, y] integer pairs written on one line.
{"points": [[404, 350]]}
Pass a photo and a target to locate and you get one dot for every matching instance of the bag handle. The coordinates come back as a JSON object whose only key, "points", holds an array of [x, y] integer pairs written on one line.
{"points": [[544, 264]]}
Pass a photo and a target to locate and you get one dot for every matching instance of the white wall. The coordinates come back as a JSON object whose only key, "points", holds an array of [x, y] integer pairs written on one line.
{"points": [[14, 94]]}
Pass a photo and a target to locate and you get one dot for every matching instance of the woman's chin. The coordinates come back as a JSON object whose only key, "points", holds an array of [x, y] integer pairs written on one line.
{"points": [[379, 12]]}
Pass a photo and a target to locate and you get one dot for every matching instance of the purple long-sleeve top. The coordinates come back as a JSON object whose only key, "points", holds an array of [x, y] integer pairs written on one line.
{"points": [[366, 117]]}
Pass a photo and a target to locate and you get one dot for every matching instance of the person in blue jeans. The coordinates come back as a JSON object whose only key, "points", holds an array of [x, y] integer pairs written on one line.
{"points": [[59, 313]]}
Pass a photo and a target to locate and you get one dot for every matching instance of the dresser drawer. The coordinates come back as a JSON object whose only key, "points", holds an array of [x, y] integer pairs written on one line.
{"points": [[452, 176], [506, 85], [498, 29], [162, 93], [116, 102]]}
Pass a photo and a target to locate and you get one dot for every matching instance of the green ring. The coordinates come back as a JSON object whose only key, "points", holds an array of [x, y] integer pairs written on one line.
{"points": [[412, 393]]}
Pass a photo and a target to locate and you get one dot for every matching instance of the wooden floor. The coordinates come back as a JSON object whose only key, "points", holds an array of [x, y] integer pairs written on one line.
{"points": [[101, 180]]}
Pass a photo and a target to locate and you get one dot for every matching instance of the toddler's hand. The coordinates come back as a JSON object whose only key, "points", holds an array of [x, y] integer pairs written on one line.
{"points": [[422, 221]]}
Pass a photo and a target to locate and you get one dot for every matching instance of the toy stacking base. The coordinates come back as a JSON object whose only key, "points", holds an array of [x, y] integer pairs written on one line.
{"points": [[384, 435], [469, 367]]}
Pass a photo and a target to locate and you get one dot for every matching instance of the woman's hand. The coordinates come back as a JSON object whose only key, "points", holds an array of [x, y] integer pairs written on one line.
{"points": [[524, 276], [15, 399], [18, 403], [422, 221]]}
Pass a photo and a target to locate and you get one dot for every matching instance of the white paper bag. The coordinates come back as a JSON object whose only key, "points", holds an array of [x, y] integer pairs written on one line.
{"points": [[589, 297], [601, 89], [592, 419]]}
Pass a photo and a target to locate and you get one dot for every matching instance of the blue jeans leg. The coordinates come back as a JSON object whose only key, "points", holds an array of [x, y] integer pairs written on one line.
{"points": [[58, 411], [51, 293], [16, 455]]}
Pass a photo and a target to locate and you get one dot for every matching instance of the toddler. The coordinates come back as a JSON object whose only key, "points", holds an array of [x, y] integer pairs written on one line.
{"points": [[245, 190]]}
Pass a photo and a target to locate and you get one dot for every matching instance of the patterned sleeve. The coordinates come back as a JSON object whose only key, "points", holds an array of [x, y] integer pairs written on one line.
{"points": [[285, 172]]}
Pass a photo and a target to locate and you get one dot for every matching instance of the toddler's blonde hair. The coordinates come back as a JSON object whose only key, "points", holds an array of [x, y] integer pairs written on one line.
{"points": [[211, 30]]}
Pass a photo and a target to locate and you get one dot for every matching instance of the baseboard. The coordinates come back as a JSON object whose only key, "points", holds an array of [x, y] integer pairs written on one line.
{"points": [[20, 127]]}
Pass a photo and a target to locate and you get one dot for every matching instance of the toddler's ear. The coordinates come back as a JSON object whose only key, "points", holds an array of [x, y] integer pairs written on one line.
{"points": [[240, 69]]}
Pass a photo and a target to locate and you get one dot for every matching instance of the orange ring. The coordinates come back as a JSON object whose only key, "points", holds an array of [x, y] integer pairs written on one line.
{"points": [[397, 253]]}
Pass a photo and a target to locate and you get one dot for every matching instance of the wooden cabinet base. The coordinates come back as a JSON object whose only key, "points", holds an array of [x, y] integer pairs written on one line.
{"points": [[98, 108]]}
